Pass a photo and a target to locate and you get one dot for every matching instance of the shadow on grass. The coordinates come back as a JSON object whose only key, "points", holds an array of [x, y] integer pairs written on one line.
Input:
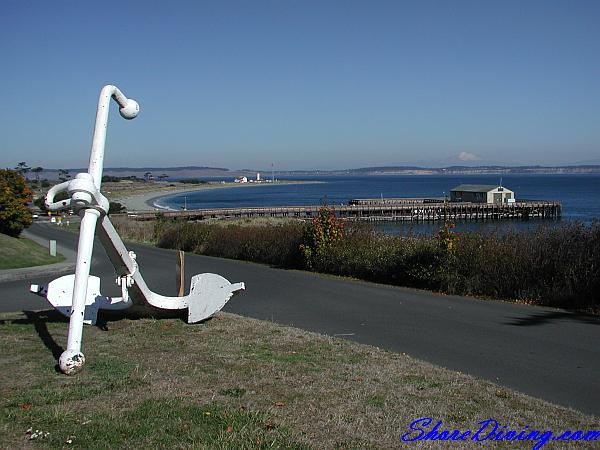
{"points": [[543, 318], [40, 319]]}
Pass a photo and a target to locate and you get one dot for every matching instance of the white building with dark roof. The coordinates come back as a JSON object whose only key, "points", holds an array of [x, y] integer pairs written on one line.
{"points": [[482, 193]]}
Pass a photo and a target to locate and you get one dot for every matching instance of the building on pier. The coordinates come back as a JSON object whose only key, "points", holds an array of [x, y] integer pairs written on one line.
{"points": [[482, 193]]}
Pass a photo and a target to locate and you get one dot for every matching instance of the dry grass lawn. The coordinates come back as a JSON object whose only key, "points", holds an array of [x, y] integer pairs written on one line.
{"points": [[234, 382]]}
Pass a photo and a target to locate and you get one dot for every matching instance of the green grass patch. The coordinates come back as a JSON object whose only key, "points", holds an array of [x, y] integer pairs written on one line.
{"points": [[182, 424], [233, 392], [237, 383], [21, 252], [377, 401], [420, 382], [266, 353]]}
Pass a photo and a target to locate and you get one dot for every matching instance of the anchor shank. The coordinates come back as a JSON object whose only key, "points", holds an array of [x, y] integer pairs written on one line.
{"points": [[82, 272], [90, 205]]}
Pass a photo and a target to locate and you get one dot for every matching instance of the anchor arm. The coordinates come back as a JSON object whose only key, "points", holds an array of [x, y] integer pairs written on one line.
{"points": [[208, 293]]}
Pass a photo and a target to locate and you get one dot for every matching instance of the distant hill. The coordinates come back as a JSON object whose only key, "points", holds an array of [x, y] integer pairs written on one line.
{"points": [[476, 170], [221, 172], [451, 170]]}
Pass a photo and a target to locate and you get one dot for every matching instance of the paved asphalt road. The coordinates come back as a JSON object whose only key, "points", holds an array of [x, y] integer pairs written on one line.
{"points": [[547, 353]]}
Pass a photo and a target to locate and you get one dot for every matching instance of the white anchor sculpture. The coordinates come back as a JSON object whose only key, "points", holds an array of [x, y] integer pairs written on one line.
{"points": [[78, 296]]}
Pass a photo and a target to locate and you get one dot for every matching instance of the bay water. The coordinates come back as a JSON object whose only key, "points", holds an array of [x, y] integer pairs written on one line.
{"points": [[579, 195]]}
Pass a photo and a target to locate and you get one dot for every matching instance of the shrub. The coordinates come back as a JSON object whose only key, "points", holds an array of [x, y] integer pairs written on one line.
{"points": [[186, 236], [14, 197], [324, 232], [192, 181], [116, 208], [135, 230], [548, 266], [558, 267], [277, 245]]}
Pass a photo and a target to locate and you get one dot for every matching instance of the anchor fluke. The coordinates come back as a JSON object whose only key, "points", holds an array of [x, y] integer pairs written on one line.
{"points": [[208, 294]]}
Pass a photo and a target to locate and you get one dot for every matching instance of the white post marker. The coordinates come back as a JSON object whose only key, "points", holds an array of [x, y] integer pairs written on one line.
{"points": [[79, 296]]}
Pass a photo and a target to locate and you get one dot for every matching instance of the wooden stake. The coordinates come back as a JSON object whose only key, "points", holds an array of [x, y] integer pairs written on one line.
{"points": [[180, 273]]}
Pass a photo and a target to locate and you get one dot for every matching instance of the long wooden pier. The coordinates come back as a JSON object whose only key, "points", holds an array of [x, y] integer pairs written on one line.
{"points": [[417, 210]]}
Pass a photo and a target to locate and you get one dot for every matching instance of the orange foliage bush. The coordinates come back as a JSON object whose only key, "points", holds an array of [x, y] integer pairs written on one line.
{"points": [[14, 197]]}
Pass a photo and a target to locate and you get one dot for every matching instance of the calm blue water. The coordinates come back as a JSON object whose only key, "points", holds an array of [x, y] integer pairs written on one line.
{"points": [[579, 194]]}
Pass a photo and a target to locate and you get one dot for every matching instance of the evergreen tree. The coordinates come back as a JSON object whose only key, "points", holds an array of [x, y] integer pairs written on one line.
{"points": [[23, 168], [63, 175]]}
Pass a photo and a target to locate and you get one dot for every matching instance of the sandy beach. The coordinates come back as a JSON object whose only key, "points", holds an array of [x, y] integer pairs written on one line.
{"points": [[143, 197]]}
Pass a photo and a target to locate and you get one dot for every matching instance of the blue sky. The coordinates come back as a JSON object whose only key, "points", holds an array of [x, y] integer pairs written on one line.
{"points": [[303, 84]]}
